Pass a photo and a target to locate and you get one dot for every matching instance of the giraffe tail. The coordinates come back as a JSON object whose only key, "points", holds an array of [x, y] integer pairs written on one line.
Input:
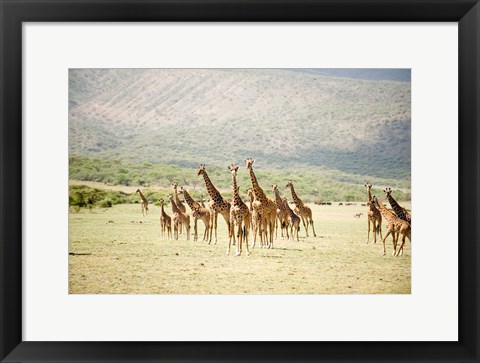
{"points": [[376, 229]]}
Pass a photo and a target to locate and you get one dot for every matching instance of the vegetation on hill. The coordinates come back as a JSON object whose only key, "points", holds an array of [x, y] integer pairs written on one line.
{"points": [[312, 185], [287, 120]]}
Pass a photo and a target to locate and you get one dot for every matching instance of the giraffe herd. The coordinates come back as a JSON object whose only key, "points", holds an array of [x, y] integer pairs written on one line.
{"points": [[263, 216], [398, 221]]}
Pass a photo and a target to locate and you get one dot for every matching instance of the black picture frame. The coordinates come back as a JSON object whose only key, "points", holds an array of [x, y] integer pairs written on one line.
{"points": [[465, 12]]}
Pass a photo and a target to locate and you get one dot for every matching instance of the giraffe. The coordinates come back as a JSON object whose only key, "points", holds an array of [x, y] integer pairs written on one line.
{"points": [[216, 204], [239, 215], [179, 217], [301, 209], [265, 206], [293, 220], [282, 213], [179, 203], [374, 216], [401, 212], [255, 217], [144, 202], [396, 226], [198, 212], [165, 222]]}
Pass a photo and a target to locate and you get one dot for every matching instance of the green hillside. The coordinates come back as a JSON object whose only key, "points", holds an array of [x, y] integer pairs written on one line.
{"points": [[286, 120]]}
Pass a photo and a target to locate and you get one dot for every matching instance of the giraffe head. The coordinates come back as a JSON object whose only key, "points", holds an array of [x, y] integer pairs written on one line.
{"points": [[162, 202], [248, 163], [285, 202], [201, 169], [368, 186], [387, 191], [174, 186], [289, 184], [138, 191], [274, 187], [233, 169], [170, 197], [181, 190]]}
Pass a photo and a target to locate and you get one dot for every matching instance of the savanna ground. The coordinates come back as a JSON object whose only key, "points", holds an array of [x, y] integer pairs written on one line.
{"points": [[117, 251]]}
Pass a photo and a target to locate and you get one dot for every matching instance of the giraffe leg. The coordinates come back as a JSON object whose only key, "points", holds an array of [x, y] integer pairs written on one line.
{"points": [[187, 229], [276, 228], [313, 228], [215, 220], [272, 222], [379, 227], [247, 229], [195, 230], [388, 233], [305, 226], [368, 233], [395, 237], [230, 236], [374, 223], [240, 237]]}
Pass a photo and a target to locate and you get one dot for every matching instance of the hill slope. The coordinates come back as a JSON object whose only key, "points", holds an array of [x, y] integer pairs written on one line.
{"points": [[218, 116]]}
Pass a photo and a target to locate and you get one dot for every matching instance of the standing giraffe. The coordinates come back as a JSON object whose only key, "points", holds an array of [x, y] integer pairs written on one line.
{"points": [[217, 204], [239, 215], [256, 219], [144, 203], [179, 204], [165, 222], [401, 212], [282, 213], [179, 217], [396, 226], [301, 209], [265, 206], [293, 220], [198, 212], [374, 216]]}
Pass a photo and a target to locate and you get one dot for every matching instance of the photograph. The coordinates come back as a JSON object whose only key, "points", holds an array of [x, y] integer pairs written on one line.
{"points": [[232, 181]]}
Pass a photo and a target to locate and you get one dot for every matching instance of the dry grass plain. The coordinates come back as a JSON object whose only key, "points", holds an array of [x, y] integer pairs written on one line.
{"points": [[117, 251]]}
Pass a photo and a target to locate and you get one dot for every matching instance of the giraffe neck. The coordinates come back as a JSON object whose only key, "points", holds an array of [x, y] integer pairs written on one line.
{"points": [[212, 191], [191, 203], [236, 197], [257, 190], [278, 200], [177, 199], [163, 212], [369, 194], [142, 196], [174, 206], [289, 210], [384, 211], [250, 196], [396, 207], [296, 199]]}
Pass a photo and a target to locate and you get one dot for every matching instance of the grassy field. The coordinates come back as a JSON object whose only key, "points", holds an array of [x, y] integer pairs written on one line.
{"points": [[117, 251]]}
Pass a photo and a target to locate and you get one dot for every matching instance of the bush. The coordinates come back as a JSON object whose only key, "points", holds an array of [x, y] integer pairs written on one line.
{"points": [[106, 203]]}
